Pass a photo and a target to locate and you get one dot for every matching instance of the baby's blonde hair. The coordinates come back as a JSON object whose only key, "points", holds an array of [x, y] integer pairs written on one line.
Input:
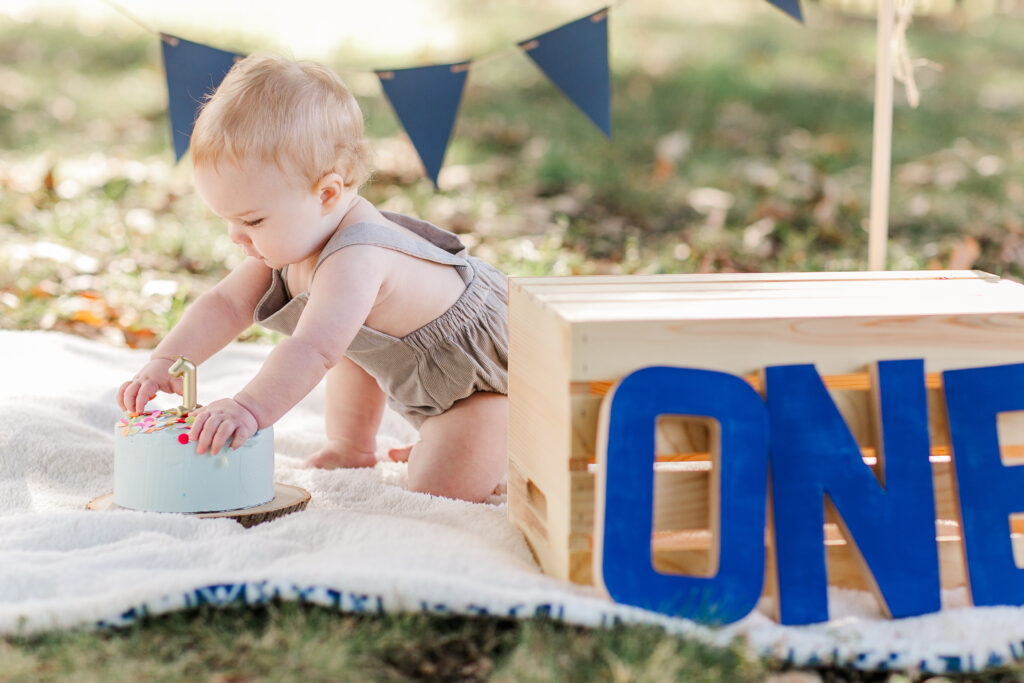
{"points": [[298, 115]]}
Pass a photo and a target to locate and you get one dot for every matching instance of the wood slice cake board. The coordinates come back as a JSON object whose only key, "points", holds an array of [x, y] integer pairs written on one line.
{"points": [[287, 499]]}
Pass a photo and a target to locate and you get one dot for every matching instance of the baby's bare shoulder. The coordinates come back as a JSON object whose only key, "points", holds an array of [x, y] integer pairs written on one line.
{"points": [[354, 260]]}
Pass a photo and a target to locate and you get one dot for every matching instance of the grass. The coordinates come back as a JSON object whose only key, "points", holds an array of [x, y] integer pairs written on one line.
{"points": [[739, 145], [294, 642]]}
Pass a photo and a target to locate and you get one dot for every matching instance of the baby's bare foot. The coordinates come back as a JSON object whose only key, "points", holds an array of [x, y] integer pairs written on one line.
{"points": [[338, 454], [400, 454]]}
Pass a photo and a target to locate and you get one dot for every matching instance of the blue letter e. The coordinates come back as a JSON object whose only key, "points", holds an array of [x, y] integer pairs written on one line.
{"points": [[625, 486], [989, 491]]}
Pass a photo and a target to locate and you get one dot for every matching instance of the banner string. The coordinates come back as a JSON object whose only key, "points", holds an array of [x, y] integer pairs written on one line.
{"points": [[462, 65], [130, 17]]}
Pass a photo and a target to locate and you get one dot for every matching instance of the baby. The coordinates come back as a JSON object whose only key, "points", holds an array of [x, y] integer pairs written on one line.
{"points": [[388, 307]]}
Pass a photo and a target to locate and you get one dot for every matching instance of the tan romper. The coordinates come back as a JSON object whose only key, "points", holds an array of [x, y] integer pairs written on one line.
{"points": [[462, 351]]}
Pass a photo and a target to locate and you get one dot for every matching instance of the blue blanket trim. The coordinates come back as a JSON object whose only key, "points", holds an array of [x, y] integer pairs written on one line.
{"points": [[263, 592]]}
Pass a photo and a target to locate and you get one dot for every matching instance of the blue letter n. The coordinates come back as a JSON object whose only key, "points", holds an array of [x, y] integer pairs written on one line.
{"points": [[813, 454]]}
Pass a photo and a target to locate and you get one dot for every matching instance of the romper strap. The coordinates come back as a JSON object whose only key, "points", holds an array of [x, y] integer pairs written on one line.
{"points": [[443, 247]]}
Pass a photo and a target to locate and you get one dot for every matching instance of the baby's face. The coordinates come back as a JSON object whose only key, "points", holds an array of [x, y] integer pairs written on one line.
{"points": [[268, 215]]}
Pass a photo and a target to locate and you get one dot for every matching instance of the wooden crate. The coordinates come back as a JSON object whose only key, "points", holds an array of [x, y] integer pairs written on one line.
{"points": [[573, 337]]}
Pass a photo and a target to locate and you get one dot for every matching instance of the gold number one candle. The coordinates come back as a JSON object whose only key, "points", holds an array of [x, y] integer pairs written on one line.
{"points": [[185, 369]]}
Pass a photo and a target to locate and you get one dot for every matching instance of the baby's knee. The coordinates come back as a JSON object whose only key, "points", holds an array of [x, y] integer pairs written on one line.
{"points": [[456, 469]]}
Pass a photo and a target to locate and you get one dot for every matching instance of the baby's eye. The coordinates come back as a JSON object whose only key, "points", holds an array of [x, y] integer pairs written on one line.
{"points": [[253, 223]]}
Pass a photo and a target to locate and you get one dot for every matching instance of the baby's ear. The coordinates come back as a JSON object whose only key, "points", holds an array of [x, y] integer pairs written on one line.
{"points": [[330, 189]]}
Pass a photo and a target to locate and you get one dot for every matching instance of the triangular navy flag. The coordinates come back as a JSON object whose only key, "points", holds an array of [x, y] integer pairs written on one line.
{"points": [[575, 58], [790, 7], [426, 100], [192, 70]]}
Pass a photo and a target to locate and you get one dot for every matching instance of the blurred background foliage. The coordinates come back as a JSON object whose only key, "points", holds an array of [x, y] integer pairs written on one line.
{"points": [[742, 143]]}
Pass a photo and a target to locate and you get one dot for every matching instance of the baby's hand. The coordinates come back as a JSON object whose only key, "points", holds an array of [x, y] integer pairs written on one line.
{"points": [[218, 422], [134, 394]]}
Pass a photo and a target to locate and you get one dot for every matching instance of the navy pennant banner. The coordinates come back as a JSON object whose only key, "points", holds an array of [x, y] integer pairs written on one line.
{"points": [[575, 58], [790, 7], [193, 70], [426, 100]]}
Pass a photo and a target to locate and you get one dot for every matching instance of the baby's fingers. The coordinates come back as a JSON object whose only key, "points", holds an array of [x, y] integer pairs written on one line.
{"points": [[130, 399], [146, 391], [200, 433], [222, 436], [241, 436], [121, 397]]}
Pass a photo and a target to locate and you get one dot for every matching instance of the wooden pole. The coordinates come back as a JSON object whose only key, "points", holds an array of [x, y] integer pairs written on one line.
{"points": [[881, 155]]}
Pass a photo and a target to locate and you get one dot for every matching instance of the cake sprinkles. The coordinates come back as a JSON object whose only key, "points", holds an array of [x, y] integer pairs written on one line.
{"points": [[155, 421]]}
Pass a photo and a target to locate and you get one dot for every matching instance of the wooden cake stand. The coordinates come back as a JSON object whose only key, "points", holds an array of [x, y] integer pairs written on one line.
{"points": [[287, 499]]}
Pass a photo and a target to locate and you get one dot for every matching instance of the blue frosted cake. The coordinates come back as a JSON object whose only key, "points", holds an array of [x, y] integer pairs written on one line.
{"points": [[156, 468]]}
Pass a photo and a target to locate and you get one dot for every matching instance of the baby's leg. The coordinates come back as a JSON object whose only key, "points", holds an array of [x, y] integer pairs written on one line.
{"points": [[353, 410], [462, 453]]}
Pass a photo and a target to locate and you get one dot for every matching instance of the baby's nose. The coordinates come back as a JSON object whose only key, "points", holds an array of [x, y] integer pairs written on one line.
{"points": [[238, 235]]}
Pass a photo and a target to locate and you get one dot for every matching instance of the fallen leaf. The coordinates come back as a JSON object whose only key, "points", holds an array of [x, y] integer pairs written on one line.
{"points": [[139, 338], [663, 170], [964, 254], [87, 317]]}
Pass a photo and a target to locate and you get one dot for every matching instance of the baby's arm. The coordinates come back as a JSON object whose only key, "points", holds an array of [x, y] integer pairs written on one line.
{"points": [[211, 322], [340, 299]]}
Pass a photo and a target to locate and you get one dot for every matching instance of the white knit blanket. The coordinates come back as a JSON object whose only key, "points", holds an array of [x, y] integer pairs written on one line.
{"points": [[365, 543]]}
